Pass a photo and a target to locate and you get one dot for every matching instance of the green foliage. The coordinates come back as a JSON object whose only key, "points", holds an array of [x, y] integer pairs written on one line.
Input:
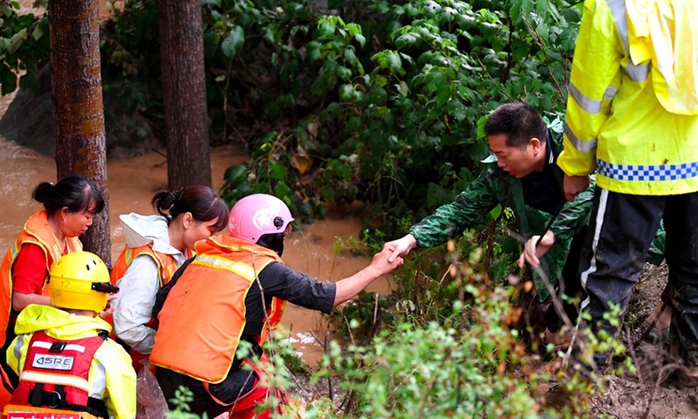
{"points": [[376, 101], [24, 47], [183, 397], [461, 354], [413, 96]]}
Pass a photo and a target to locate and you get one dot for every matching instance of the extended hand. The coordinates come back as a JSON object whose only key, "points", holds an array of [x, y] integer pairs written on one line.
{"points": [[533, 253], [400, 247], [573, 185], [382, 262]]}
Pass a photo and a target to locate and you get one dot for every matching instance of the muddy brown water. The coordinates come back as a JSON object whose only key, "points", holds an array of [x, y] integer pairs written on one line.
{"points": [[131, 184]]}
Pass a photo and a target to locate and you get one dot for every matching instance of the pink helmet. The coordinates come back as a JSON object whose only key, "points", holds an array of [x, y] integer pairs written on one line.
{"points": [[256, 215]]}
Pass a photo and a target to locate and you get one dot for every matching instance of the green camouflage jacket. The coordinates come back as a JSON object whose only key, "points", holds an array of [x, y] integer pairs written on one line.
{"points": [[495, 187]]}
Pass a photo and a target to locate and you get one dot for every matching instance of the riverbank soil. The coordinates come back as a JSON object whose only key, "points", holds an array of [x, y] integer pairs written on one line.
{"points": [[648, 393]]}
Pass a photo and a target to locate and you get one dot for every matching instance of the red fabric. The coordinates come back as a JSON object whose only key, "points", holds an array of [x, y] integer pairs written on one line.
{"points": [[29, 270], [245, 407], [75, 360]]}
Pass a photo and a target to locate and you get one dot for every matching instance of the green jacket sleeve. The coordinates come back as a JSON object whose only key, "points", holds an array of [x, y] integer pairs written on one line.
{"points": [[574, 215], [469, 207]]}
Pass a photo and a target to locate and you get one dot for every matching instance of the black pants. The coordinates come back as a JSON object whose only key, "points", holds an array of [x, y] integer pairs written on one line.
{"points": [[570, 289], [621, 230], [238, 382]]}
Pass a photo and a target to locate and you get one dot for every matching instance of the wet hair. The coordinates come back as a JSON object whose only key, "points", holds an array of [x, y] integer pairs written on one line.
{"points": [[74, 192], [519, 121], [273, 241], [202, 202]]}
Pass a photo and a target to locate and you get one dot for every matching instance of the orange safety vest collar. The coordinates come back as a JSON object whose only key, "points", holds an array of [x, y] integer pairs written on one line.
{"points": [[167, 265], [36, 231], [206, 309]]}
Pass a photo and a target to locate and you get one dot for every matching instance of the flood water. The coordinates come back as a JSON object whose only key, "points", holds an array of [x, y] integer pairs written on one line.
{"points": [[132, 183]]}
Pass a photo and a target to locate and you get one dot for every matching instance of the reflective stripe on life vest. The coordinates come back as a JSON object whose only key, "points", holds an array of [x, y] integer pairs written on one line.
{"points": [[36, 231], [206, 309]]}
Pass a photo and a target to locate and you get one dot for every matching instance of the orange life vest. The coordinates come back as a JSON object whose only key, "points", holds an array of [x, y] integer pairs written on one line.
{"points": [[36, 231], [206, 309], [167, 265], [56, 373]]}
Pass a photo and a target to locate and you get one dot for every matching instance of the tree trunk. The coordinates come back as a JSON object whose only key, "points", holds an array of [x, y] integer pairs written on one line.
{"points": [[78, 111], [184, 93]]}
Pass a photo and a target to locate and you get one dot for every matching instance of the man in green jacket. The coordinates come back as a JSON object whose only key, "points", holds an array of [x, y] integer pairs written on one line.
{"points": [[528, 180]]}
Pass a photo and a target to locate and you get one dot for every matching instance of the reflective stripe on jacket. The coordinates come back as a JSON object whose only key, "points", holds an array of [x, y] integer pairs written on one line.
{"points": [[206, 309], [111, 377], [36, 231], [633, 97]]}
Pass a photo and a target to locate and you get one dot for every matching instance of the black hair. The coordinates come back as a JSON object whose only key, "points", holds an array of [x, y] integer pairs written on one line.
{"points": [[74, 192], [202, 202], [273, 241], [519, 121]]}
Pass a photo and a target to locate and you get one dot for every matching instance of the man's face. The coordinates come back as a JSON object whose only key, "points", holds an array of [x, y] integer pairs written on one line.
{"points": [[518, 162]]}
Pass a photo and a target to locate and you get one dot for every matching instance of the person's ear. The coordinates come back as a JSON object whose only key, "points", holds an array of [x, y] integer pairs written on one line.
{"points": [[187, 220], [536, 145], [64, 213]]}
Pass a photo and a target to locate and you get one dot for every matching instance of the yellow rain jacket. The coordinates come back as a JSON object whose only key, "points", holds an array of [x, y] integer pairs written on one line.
{"points": [[111, 377], [632, 113]]}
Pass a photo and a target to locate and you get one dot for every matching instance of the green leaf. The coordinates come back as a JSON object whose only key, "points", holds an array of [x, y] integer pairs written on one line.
{"points": [[542, 8], [347, 92], [326, 29], [343, 73], [313, 49], [333, 109], [277, 171], [407, 40], [402, 88], [236, 174], [443, 94], [496, 212], [389, 59], [16, 41], [526, 7], [37, 33], [456, 108], [8, 80], [360, 39], [282, 191], [233, 42], [481, 126], [350, 56]]}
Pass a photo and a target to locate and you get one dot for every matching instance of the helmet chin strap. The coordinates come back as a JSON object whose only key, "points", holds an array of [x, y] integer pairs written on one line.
{"points": [[274, 241]]}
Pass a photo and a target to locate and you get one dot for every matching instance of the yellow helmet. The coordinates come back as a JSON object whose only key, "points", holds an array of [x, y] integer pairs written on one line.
{"points": [[80, 281]]}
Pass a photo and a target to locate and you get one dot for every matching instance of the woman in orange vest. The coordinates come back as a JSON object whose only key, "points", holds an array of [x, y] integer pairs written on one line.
{"points": [[235, 289], [156, 246], [69, 206]]}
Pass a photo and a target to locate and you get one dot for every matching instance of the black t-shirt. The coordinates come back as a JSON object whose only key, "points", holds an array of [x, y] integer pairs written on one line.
{"points": [[277, 280], [543, 190]]}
